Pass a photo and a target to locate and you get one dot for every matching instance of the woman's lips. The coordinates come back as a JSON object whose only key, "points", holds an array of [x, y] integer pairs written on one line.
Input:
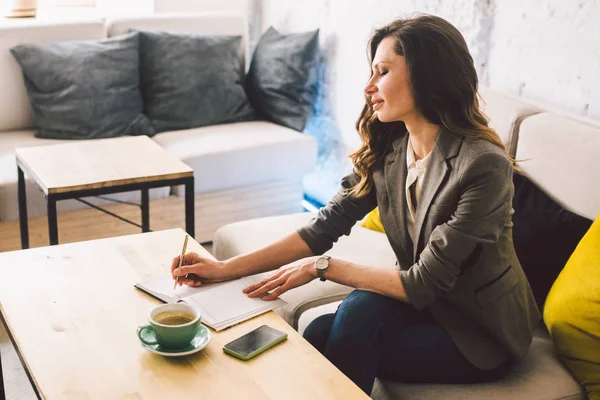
{"points": [[377, 104]]}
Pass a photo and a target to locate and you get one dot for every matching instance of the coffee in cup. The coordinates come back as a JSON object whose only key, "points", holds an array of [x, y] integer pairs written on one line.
{"points": [[173, 318], [172, 326]]}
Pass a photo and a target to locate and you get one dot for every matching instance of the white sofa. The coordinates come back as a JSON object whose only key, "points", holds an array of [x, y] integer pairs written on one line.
{"points": [[242, 170], [555, 145]]}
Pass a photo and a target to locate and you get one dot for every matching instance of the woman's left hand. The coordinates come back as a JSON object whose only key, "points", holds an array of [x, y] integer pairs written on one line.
{"points": [[287, 277]]}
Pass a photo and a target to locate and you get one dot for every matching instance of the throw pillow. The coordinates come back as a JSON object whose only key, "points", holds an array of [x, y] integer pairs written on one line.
{"points": [[84, 89], [373, 221], [572, 312], [192, 80], [544, 235], [283, 75]]}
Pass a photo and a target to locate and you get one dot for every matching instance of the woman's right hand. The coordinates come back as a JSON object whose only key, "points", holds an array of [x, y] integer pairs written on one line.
{"points": [[196, 270]]}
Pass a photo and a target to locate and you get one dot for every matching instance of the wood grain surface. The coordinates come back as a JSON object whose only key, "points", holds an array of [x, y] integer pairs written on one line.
{"points": [[73, 312]]}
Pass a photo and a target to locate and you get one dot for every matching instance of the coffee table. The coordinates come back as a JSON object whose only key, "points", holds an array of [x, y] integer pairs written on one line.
{"points": [[72, 311], [99, 167]]}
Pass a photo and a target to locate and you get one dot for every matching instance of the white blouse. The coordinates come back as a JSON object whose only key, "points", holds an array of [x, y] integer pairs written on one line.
{"points": [[416, 172]]}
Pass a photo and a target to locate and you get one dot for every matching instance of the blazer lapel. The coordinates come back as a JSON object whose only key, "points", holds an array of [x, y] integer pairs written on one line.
{"points": [[395, 176], [447, 146]]}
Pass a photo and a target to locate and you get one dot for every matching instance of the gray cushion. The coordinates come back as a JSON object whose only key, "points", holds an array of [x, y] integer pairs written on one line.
{"points": [[191, 80], [282, 80], [84, 89]]}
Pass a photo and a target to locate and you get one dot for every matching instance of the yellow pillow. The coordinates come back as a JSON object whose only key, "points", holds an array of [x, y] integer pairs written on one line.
{"points": [[373, 221], [572, 312]]}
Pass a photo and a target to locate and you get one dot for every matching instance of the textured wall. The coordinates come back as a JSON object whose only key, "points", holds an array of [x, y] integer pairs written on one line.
{"points": [[548, 51], [187, 6], [545, 50]]}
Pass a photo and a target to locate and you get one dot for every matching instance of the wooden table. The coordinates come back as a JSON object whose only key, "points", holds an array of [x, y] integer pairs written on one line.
{"points": [[98, 167], [72, 312]]}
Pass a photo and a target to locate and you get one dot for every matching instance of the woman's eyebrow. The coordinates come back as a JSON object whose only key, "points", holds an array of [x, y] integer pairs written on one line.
{"points": [[380, 62]]}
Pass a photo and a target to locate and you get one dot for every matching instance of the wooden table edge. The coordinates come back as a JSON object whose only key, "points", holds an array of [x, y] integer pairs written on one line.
{"points": [[96, 185], [121, 182], [99, 185], [28, 172]]}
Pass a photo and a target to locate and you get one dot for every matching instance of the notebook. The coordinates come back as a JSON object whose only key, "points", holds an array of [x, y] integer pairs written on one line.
{"points": [[222, 304]]}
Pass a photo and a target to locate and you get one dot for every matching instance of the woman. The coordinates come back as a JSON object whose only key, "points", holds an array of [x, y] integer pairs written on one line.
{"points": [[459, 308]]}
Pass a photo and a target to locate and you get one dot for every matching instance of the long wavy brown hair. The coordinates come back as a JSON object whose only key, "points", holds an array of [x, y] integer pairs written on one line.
{"points": [[444, 84]]}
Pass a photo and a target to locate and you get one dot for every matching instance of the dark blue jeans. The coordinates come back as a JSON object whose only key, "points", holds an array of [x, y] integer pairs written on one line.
{"points": [[371, 336]]}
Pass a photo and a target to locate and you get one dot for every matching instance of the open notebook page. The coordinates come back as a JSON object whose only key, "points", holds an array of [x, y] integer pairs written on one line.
{"points": [[224, 303], [221, 303]]}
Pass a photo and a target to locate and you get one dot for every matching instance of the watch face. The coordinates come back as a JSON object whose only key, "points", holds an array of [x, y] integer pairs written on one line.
{"points": [[322, 263]]}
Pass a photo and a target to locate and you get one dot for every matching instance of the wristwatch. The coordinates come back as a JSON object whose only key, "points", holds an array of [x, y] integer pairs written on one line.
{"points": [[322, 263]]}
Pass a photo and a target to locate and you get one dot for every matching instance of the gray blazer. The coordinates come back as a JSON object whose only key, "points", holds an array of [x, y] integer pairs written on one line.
{"points": [[463, 267]]}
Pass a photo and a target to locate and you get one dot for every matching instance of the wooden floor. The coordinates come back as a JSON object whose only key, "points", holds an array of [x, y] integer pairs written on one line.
{"points": [[88, 223]]}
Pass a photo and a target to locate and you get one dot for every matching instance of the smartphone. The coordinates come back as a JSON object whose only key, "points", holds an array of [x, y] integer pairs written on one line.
{"points": [[254, 342]]}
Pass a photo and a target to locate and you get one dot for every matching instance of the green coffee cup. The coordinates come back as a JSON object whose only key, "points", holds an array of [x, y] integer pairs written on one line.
{"points": [[172, 326]]}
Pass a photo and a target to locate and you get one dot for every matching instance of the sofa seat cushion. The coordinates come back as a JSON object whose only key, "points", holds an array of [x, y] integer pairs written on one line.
{"points": [[363, 246], [240, 154], [539, 376], [36, 203]]}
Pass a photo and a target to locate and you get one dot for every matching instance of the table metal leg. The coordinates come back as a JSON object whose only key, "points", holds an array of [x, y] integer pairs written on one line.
{"points": [[2, 394], [145, 210], [12, 341], [23, 222], [189, 208], [52, 223]]}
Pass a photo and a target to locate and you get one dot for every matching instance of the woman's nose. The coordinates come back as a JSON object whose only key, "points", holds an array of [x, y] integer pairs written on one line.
{"points": [[370, 88]]}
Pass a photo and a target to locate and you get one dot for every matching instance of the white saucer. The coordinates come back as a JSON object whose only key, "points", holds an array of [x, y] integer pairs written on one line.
{"points": [[199, 342]]}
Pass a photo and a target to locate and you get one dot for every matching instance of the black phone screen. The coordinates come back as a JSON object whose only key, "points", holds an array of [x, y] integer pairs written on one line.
{"points": [[255, 340]]}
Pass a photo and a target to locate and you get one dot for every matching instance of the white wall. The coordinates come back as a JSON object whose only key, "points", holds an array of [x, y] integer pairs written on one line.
{"points": [[548, 51], [234, 6], [545, 50], [250, 9], [120, 7]]}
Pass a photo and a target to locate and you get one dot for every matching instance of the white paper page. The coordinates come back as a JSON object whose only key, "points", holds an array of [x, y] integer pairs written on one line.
{"points": [[161, 287], [229, 302]]}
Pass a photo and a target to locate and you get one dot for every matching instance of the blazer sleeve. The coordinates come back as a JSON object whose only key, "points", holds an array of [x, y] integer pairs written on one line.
{"points": [[479, 219], [338, 217]]}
